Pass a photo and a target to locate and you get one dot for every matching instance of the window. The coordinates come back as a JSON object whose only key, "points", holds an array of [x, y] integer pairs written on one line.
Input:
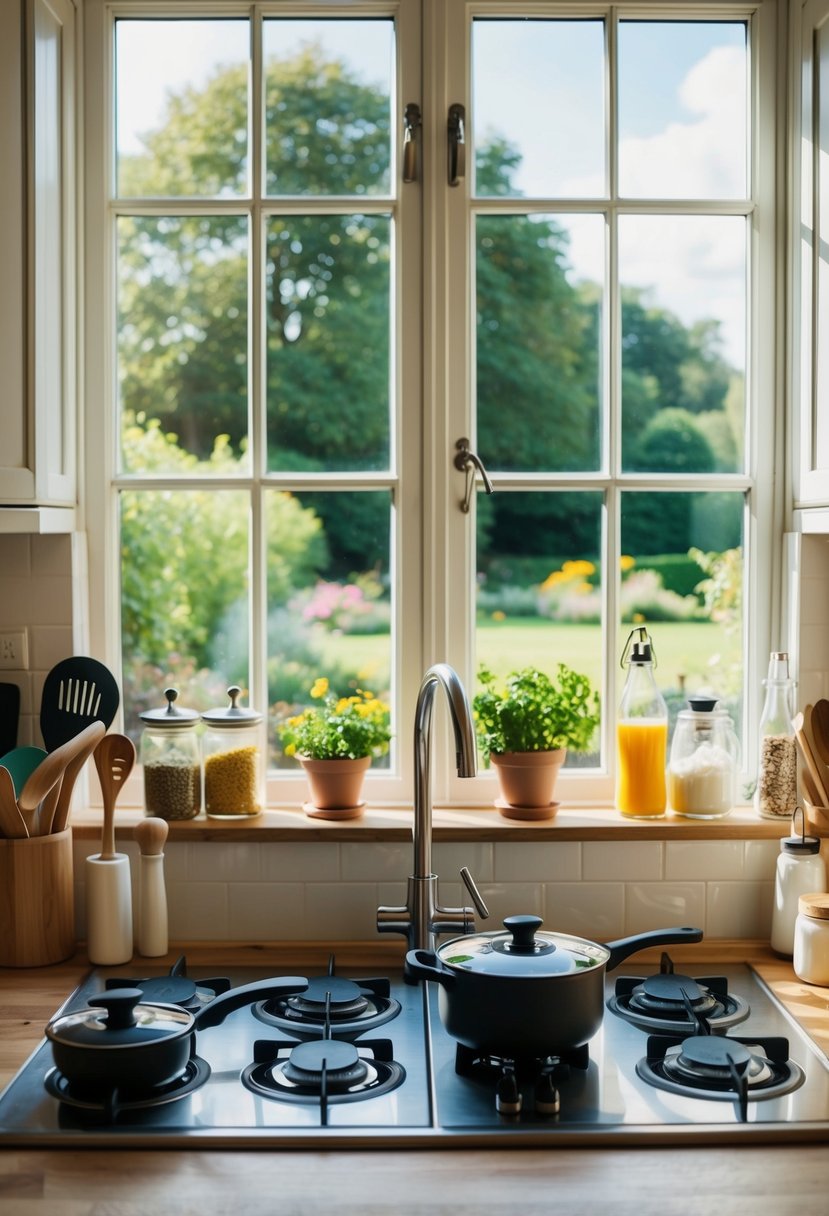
{"points": [[290, 339]]}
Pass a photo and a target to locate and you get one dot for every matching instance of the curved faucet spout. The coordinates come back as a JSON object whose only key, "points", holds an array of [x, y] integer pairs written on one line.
{"points": [[421, 919], [441, 675]]}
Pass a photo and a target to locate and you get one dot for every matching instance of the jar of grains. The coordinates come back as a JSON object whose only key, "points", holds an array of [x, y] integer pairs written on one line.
{"points": [[775, 796], [232, 755], [171, 759]]}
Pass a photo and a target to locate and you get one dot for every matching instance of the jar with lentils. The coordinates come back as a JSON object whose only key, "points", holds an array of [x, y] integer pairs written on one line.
{"points": [[171, 760], [232, 759]]}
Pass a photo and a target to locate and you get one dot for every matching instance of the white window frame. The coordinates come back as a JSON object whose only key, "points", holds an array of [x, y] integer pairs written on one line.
{"points": [[434, 572]]}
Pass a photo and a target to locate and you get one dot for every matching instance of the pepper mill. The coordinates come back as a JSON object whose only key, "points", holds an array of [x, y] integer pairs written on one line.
{"points": [[151, 834]]}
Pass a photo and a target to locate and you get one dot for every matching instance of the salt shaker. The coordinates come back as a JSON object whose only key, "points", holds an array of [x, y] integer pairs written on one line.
{"points": [[151, 833], [800, 870]]}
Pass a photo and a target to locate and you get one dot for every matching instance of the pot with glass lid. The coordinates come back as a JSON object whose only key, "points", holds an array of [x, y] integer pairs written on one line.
{"points": [[527, 991]]}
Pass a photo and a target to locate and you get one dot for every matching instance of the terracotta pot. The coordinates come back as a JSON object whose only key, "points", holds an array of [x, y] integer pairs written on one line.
{"points": [[336, 787], [527, 781]]}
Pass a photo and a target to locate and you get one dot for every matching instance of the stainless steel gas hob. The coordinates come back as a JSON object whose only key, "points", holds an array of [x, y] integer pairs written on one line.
{"points": [[360, 1061]]}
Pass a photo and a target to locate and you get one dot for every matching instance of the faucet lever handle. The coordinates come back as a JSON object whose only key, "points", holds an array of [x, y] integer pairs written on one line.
{"points": [[477, 898]]}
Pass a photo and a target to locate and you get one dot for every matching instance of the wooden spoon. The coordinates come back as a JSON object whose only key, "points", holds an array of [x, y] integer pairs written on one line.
{"points": [[60, 816], [114, 758], [798, 722], [39, 796], [821, 769], [12, 823], [820, 730]]}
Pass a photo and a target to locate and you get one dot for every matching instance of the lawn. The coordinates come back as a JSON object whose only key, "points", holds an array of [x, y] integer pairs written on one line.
{"points": [[702, 652]]}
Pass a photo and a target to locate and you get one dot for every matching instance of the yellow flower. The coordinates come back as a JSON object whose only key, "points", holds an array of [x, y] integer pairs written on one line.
{"points": [[626, 562], [572, 569], [320, 688], [290, 749], [498, 615]]}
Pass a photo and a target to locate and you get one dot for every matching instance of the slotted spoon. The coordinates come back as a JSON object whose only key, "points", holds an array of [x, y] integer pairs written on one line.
{"points": [[76, 691], [114, 758]]}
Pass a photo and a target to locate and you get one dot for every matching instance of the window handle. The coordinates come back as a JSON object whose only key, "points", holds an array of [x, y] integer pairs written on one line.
{"points": [[411, 123], [467, 461], [456, 131]]}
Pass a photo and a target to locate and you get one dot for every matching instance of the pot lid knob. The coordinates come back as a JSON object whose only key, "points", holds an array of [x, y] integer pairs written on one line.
{"points": [[523, 929], [119, 1004]]}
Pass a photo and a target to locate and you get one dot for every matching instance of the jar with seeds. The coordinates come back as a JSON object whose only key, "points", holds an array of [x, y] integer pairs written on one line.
{"points": [[171, 760], [232, 758], [775, 796]]}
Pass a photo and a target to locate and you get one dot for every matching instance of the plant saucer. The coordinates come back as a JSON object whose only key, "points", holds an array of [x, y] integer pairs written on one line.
{"points": [[334, 813], [527, 812]]}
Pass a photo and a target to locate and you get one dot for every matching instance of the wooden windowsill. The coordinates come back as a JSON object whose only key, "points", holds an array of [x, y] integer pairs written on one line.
{"points": [[476, 824]]}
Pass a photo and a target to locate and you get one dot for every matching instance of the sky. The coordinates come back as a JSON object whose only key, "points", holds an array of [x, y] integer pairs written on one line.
{"points": [[684, 137]]}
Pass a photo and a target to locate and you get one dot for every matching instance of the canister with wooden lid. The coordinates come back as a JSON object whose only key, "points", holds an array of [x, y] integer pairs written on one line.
{"points": [[811, 939]]}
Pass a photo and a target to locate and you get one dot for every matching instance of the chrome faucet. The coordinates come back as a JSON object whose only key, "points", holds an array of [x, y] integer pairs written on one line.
{"points": [[422, 919]]}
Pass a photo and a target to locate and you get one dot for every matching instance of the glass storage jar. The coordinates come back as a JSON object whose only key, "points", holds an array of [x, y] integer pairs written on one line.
{"points": [[811, 939], [232, 755], [170, 755], [702, 772]]}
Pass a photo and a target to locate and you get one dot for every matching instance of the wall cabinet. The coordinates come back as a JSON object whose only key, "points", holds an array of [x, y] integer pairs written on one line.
{"points": [[38, 251]]}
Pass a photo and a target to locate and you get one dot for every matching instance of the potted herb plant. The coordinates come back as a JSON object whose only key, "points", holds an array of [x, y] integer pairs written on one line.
{"points": [[335, 742], [524, 728]]}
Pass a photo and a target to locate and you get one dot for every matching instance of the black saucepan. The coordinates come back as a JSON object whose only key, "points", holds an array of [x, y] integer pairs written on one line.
{"points": [[121, 1041], [526, 992]]}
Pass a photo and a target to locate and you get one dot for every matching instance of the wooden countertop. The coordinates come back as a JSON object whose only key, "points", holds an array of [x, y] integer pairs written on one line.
{"points": [[765, 1180]]}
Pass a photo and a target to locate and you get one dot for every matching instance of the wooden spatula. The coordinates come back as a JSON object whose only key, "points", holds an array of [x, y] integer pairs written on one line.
{"points": [[805, 745], [38, 799], [114, 758]]}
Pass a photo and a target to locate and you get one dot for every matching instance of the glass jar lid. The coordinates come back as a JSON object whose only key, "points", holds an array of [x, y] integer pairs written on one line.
{"points": [[170, 715], [522, 952], [233, 714]]}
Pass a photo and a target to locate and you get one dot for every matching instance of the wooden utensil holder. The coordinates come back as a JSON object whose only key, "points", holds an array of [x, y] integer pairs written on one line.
{"points": [[37, 900]]}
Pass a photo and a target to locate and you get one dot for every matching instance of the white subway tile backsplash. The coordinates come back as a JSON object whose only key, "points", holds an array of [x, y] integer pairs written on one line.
{"points": [[48, 645], [375, 862], [759, 860], [50, 601], [545, 861], [449, 858], [595, 910], [740, 909], [664, 905], [265, 911], [338, 912], [689, 859], [206, 863], [16, 554], [293, 861], [506, 899], [622, 861], [197, 911]]}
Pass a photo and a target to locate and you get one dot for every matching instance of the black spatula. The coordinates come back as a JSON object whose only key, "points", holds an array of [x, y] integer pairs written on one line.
{"points": [[9, 716], [76, 691]]}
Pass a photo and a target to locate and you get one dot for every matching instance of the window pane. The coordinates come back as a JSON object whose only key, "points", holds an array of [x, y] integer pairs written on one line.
{"points": [[538, 341], [328, 88], [682, 576], [328, 284], [329, 599], [182, 108], [184, 597], [538, 585], [182, 341], [683, 283], [685, 133], [538, 90]]}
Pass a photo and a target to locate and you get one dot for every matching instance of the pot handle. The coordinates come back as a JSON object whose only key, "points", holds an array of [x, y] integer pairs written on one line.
{"points": [[261, 990], [425, 965], [619, 950]]}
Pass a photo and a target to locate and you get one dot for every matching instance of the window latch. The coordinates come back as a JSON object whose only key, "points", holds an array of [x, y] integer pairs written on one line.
{"points": [[411, 124], [467, 461], [456, 132]]}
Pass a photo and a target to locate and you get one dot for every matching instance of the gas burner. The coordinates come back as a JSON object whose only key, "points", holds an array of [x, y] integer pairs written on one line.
{"points": [[511, 1076], [672, 1004], [107, 1105], [719, 1068], [340, 1006], [175, 988], [322, 1071]]}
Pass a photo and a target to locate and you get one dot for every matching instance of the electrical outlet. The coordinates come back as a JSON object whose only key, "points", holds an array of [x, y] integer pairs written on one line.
{"points": [[14, 650]]}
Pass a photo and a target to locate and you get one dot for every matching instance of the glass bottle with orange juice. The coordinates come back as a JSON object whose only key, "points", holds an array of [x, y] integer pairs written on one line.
{"points": [[641, 733]]}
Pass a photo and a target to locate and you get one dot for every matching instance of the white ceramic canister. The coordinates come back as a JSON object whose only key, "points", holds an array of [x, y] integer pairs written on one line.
{"points": [[811, 939], [800, 871]]}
